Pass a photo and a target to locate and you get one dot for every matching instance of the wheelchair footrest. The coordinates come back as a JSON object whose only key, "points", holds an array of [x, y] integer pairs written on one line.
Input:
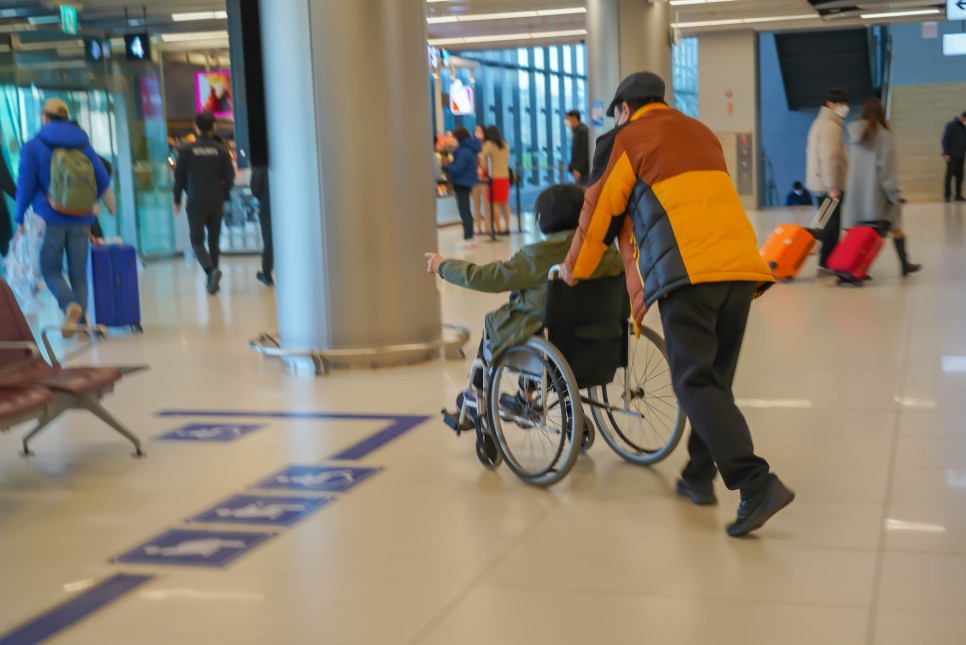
{"points": [[452, 419]]}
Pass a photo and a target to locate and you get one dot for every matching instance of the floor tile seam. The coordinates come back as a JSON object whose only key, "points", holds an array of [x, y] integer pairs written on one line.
{"points": [[463, 593], [871, 627], [681, 596]]}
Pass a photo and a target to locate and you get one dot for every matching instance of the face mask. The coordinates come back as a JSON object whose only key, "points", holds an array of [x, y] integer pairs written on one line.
{"points": [[842, 110]]}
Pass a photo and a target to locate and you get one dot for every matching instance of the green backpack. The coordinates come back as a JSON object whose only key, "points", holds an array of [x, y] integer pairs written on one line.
{"points": [[73, 186]]}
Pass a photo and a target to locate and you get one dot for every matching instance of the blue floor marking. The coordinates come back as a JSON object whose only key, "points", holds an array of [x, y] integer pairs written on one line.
{"points": [[400, 425], [261, 510], [67, 614], [326, 479], [73, 611], [196, 548]]}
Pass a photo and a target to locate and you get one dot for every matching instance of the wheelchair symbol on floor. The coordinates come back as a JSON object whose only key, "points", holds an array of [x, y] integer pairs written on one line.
{"points": [[317, 478], [211, 432], [262, 510], [197, 548]]}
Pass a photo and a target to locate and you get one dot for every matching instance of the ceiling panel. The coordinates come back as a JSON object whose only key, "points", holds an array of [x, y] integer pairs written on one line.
{"points": [[717, 15]]}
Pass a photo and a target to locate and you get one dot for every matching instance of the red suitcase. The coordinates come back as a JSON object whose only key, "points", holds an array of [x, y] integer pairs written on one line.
{"points": [[856, 252]]}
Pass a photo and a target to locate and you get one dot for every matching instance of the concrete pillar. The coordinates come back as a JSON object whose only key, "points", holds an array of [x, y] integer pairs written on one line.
{"points": [[347, 101], [623, 37]]}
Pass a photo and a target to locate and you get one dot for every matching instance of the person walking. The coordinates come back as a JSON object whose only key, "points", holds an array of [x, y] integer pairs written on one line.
{"points": [[464, 174], [688, 245], [579, 148], [261, 192], [62, 178], [496, 155], [954, 154], [481, 210], [873, 185], [206, 172], [827, 164]]}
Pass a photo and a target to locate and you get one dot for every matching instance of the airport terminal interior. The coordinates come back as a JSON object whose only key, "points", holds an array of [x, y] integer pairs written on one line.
{"points": [[263, 463]]}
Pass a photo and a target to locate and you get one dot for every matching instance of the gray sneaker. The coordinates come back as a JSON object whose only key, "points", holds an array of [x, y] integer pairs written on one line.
{"points": [[214, 281]]}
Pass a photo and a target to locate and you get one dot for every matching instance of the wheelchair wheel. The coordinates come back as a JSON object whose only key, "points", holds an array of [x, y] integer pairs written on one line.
{"points": [[638, 413], [534, 412], [589, 435], [486, 448]]}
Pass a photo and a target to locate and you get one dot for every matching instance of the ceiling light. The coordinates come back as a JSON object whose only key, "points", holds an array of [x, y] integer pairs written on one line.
{"points": [[44, 20], [508, 15], [806, 16], [197, 35], [742, 21], [199, 15], [470, 40], [685, 3], [900, 14]]}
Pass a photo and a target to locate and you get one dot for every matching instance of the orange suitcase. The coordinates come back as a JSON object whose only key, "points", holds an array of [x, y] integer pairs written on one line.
{"points": [[789, 245]]}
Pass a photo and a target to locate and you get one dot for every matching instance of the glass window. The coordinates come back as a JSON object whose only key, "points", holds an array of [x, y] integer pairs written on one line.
{"points": [[685, 63], [526, 92]]}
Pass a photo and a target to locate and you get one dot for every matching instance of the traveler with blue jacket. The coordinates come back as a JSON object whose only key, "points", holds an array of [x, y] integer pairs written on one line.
{"points": [[463, 173], [68, 225]]}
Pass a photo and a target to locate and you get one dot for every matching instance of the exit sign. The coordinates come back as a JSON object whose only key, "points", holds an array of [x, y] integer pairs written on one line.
{"points": [[68, 19]]}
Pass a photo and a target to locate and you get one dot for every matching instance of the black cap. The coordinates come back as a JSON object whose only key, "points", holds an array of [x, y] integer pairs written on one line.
{"points": [[642, 85], [205, 121], [558, 208]]}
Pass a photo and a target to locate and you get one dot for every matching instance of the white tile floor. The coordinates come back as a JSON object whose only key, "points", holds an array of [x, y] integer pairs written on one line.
{"points": [[856, 396]]}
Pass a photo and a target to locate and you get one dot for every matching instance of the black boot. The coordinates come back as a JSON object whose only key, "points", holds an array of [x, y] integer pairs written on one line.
{"points": [[907, 266]]}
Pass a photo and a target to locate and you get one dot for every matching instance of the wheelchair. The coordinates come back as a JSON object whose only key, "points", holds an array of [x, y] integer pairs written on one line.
{"points": [[533, 410]]}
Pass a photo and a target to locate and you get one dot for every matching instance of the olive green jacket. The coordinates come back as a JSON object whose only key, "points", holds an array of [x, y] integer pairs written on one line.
{"points": [[526, 272]]}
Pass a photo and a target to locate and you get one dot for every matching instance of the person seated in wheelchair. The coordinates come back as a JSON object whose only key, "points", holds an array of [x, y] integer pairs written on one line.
{"points": [[557, 212]]}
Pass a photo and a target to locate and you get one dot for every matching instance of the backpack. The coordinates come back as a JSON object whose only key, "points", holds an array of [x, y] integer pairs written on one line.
{"points": [[73, 186]]}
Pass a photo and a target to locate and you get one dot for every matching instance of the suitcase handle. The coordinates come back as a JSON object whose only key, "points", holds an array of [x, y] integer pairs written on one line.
{"points": [[824, 214]]}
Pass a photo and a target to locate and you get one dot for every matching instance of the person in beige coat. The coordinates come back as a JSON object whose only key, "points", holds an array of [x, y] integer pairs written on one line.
{"points": [[827, 163]]}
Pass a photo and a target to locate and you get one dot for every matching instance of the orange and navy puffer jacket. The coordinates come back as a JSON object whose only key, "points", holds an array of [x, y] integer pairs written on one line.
{"points": [[667, 196]]}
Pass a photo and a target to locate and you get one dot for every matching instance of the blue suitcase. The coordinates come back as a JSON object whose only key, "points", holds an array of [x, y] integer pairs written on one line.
{"points": [[114, 272]]}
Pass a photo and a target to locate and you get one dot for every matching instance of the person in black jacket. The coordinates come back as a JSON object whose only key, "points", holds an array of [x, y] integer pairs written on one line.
{"points": [[579, 148], [954, 153], [261, 193], [206, 172], [798, 196]]}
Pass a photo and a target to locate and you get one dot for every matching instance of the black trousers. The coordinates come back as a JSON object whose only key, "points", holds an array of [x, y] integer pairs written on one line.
{"points": [[832, 232], [202, 220], [268, 252], [466, 213], [704, 326], [954, 175]]}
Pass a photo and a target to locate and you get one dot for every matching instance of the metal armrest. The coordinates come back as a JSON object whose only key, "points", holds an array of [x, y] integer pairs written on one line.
{"points": [[92, 332], [19, 344]]}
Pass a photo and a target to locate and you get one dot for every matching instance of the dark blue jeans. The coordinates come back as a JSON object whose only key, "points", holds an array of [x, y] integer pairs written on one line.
{"points": [[74, 241]]}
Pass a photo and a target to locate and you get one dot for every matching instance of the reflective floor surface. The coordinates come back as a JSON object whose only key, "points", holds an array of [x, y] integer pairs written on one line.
{"points": [[393, 533]]}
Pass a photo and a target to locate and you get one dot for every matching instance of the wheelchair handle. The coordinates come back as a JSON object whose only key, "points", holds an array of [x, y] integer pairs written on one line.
{"points": [[554, 273]]}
